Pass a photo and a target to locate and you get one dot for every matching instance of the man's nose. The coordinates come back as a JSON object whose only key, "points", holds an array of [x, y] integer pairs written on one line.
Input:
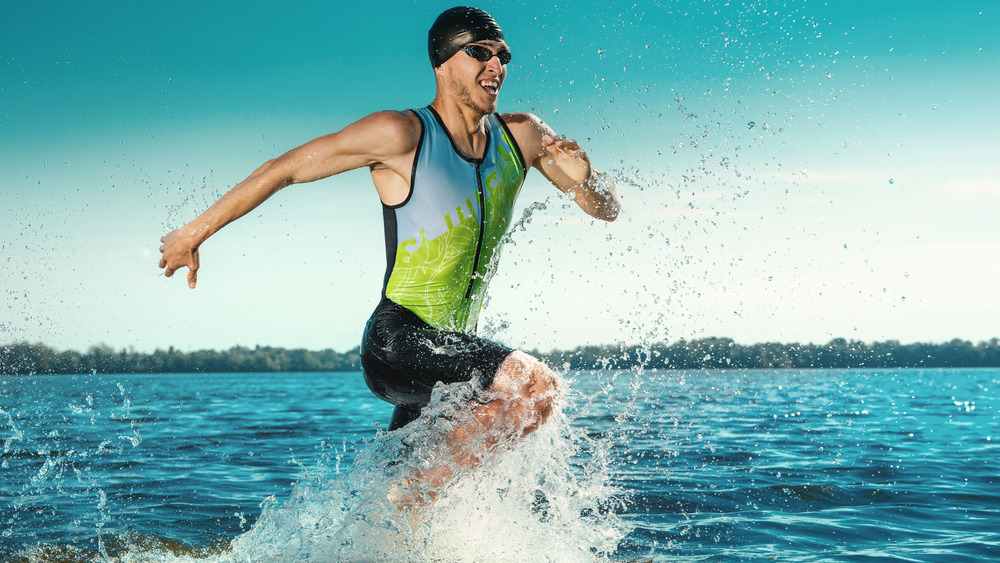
{"points": [[494, 64]]}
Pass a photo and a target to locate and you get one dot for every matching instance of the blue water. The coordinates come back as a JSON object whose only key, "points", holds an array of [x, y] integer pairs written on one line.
{"points": [[796, 465]]}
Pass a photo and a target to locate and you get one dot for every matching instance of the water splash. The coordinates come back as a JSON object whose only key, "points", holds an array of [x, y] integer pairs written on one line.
{"points": [[66, 461], [549, 494]]}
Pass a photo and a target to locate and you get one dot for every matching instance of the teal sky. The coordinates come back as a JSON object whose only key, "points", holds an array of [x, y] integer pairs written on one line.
{"points": [[793, 171]]}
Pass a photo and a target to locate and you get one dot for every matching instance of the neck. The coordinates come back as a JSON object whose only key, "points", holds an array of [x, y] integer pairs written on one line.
{"points": [[466, 125]]}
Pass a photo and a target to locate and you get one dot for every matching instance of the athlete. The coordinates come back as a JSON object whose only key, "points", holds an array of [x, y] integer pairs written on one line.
{"points": [[447, 176]]}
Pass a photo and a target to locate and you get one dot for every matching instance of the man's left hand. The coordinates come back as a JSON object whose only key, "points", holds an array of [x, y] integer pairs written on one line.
{"points": [[568, 156]]}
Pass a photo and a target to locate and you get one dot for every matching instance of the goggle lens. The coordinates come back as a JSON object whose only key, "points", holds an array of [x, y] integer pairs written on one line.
{"points": [[482, 54]]}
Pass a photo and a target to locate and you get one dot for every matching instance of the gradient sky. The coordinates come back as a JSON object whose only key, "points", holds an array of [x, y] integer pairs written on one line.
{"points": [[790, 171]]}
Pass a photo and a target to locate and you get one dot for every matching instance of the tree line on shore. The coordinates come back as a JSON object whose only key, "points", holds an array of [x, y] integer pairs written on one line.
{"points": [[23, 358], [724, 353], [705, 353]]}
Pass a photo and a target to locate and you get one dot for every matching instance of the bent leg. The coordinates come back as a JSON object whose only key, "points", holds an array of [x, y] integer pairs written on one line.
{"points": [[522, 397]]}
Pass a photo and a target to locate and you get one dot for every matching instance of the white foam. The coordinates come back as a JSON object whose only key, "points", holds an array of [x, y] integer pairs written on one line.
{"points": [[544, 498]]}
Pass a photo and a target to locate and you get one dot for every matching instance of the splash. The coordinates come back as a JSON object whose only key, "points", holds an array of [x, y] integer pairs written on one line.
{"points": [[546, 497]]}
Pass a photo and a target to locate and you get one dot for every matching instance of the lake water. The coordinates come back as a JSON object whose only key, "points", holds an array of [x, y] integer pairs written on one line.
{"points": [[788, 465]]}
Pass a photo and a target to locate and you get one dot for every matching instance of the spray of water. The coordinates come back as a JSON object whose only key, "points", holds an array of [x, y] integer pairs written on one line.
{"points": [[544, 498]]}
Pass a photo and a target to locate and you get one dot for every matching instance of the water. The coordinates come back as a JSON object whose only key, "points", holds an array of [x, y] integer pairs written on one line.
{"points": [[804, 465]]}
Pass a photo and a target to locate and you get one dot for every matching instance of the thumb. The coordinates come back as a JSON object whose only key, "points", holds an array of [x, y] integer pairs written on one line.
{"points": [[193, 269]]}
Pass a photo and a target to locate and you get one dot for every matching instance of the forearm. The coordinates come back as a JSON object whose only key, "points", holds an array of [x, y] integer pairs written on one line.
{"points": [[567, 166], [237, 202]]}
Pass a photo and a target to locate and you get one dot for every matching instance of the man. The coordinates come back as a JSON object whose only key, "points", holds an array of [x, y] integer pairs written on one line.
{"points": [[447, 176]]}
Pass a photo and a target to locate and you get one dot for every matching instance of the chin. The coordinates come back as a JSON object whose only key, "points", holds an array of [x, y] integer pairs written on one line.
{"points": [[486, 108], [491, 104]]}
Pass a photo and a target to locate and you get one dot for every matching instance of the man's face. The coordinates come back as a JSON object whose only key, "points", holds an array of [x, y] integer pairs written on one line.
{"points": [[477, 83]]}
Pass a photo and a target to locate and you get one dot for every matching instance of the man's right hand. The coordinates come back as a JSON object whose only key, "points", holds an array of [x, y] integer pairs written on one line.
{"points": [[177, 252]]}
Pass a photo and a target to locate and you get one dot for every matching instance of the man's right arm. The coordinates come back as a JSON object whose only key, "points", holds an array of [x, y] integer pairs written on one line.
{"points": [[384, 139]]}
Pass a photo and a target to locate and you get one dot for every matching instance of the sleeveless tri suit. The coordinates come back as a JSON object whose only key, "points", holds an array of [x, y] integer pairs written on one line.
{"points": [[442, 246]]}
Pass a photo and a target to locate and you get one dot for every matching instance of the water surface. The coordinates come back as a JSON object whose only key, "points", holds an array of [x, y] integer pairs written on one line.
{"points": [[796, 465]]}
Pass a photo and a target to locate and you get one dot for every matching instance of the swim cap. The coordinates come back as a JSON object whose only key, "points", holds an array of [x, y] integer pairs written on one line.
{"points": [[456, 28]]}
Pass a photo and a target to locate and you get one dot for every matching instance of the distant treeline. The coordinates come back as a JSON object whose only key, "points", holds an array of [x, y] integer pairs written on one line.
{"points": [[23, 358], [37, 358], [723, 353]]}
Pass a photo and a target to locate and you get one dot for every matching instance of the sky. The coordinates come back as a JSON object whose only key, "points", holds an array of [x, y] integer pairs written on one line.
{"points": [[790, 171]]}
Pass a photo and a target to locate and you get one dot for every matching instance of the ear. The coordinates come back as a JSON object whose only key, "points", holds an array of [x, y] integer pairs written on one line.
{"points": [[441, 72]]}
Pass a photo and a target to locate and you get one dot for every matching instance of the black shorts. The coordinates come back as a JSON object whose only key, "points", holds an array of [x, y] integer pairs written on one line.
{"points": [[403, 357]]}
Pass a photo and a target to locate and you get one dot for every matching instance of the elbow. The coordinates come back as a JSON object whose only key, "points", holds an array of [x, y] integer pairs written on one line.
{"points": [[603, 200], [278, 173], [604, 210], [609, 215], [265, 167], [608, 209]]}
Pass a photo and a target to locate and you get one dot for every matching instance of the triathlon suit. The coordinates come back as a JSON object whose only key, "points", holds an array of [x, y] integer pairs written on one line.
{"points": [[442, 244]]}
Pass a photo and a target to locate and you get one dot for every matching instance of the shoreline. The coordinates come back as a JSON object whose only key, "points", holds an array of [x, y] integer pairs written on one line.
{"points": [[707, 353]]}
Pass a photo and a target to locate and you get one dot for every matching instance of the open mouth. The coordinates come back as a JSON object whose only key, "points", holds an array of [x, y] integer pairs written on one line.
{"points": [[491, 86]]}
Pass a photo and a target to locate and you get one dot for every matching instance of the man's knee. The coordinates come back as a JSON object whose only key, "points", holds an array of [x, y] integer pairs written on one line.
{"points": [[530, 384], [524, 374]]}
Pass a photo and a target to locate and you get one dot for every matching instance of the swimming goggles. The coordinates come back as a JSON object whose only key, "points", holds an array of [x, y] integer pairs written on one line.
{"points": [[482, 54]]}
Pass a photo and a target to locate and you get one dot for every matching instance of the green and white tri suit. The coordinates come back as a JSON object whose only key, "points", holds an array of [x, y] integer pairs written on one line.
{"points": [[443, 242]]}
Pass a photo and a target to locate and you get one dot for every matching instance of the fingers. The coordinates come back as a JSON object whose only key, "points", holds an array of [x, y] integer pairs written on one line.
{"points": [[191, 261], [163, 263], [555, 144], [192, 277], [552, 141], [163, 266]]}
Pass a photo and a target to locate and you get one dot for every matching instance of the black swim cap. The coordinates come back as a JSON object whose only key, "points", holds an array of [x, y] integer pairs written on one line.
{"points": [[456, 28]]}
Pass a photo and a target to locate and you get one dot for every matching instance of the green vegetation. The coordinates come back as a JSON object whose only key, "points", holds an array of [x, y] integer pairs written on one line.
{"points": [[25, 358], [723, 353], [37, 358]]}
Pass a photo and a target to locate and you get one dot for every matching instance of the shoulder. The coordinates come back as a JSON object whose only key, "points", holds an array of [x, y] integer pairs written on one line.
{"points": [[377, 137], [405, 119], [525, 122], [528, 130], [392, 127]]}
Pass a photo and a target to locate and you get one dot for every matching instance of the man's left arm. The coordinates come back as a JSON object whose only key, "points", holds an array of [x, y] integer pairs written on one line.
{"points": [[566, 165]]}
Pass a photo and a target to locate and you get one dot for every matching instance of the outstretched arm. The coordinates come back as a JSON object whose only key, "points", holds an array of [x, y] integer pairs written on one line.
{"points": [[382, 140], [566, 165]]}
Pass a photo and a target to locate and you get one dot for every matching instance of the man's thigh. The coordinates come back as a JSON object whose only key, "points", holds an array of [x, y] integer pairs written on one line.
{"points": [[403, 357]]}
